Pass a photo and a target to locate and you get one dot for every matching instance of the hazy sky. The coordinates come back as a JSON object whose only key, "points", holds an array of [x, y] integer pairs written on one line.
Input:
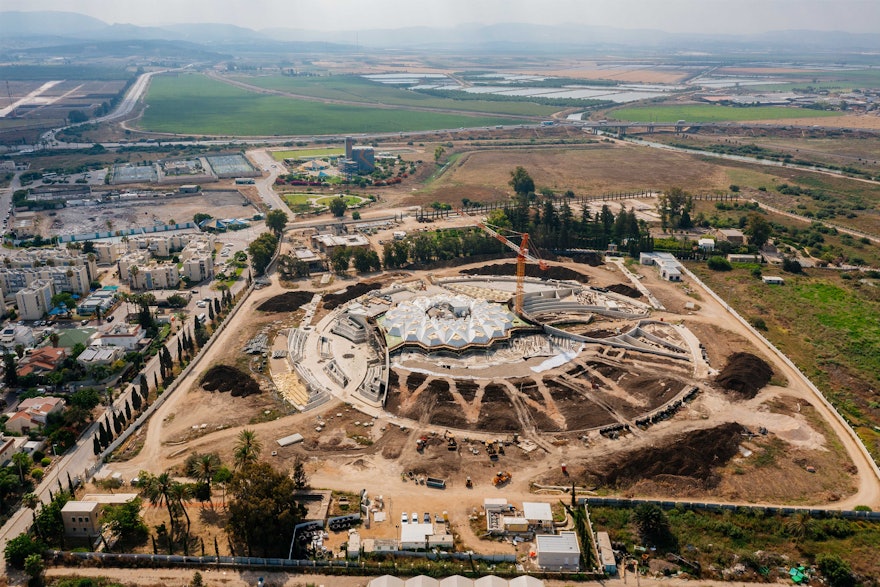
{"points": [[707, 16]]}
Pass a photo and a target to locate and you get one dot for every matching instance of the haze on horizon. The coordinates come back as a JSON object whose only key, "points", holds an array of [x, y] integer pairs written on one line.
{"points": [[674, 16]]}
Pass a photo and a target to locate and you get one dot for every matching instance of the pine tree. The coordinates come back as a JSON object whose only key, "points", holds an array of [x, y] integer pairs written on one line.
{"points": [[217, 307]]}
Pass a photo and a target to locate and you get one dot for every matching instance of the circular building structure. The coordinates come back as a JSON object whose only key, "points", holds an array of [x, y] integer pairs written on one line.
{"points": [[447, 321]]}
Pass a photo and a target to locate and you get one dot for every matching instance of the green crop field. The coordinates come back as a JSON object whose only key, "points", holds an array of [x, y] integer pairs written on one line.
{"points": [[282, 155], [712, 113], [196, 105], [358, 89]]}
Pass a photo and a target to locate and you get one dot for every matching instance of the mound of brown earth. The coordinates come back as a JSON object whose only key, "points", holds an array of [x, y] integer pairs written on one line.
{"points": [[552, 272], [226, 378], [287, 302], [625, 290], [591, 259], [744, 375], [692, 456], [351, 292]]}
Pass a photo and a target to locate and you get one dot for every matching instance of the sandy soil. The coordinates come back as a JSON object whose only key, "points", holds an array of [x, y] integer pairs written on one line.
{"points": [[868, 121]]}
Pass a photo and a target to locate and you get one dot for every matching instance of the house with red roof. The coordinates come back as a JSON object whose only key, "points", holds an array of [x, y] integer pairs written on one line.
{"points": [[33, 413]]}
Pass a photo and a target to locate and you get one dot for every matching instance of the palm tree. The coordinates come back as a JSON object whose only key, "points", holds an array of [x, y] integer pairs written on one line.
{"points": [[21, 460], [799, 526], [248, 449], [206, 467], [181, 494], [157, 488]]}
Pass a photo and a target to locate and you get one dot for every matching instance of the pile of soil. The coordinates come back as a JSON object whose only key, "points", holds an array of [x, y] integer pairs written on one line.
{"points": [[591, 259], [226, 378], [625, 290], [744, 375], [693, 455], [287, 302], [552, 272], [332, 301]]}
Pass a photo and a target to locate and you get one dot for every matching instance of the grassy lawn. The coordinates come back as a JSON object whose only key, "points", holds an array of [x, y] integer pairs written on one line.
{"points": [[358, 89], [195, 105], [824, 323], [282, 155], [712, 113], [349, 200]]}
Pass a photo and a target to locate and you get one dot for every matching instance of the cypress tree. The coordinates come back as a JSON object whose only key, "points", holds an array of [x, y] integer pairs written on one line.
{"points": [[136, 401], [217, 307], [128, 411], [155, 382], [97, 445]]}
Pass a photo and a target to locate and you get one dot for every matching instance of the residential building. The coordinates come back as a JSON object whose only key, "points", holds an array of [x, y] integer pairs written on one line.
{"points": [[80, 519], [100, 355], [42, 360], [73, 279], [154, 276], [198, 268], [108, 253], [35, 300], [126, 336], [101, 300], [327, 243], [33, 413], [732, 236], [15, 334], [7, 449], [558, 552]]}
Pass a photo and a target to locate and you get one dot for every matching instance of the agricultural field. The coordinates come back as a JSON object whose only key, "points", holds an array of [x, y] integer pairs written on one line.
{"points": [[358, 89], [197, 105], [713, 113], [818, 320]]}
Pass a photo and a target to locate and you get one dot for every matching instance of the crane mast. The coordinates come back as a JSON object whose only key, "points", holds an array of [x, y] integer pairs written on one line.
{"points": [[522, 255]]}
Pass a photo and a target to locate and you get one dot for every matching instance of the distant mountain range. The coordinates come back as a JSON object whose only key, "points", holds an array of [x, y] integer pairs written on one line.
{"points": [[34, 29]]}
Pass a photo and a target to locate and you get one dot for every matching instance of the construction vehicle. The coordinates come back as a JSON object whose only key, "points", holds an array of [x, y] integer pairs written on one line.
{"points": [[522, 255], [421, 443], [501, 477], [491, 451], [451, 443], [469, 484]]}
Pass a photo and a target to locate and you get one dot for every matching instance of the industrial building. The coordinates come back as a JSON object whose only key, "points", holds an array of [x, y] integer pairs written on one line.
{"points": [[558, 552], [670, 268]]}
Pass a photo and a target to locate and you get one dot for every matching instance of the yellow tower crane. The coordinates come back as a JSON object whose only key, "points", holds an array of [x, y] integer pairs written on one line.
{"points": [[522, 255]]}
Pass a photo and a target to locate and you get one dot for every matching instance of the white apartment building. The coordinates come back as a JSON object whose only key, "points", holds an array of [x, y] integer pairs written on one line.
{"points": [[35, 300], [154, 276]]}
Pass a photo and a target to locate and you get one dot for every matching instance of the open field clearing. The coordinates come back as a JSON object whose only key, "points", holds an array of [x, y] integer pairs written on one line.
{"points": [[712, 113], [194, 104], [819, 321], [358, 89], [592, 170]]}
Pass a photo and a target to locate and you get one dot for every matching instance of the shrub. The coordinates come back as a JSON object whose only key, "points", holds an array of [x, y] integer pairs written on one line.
{"points": [[45, 461], [717, 263], [759, 324], [37, 473]]}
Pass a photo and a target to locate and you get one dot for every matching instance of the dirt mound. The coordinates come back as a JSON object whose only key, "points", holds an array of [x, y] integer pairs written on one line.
{"points": [[745, 374], [226, 378], [625, 290], [692, 456], [287, 302], [552, 272], [332, 301], [591, 259]]}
